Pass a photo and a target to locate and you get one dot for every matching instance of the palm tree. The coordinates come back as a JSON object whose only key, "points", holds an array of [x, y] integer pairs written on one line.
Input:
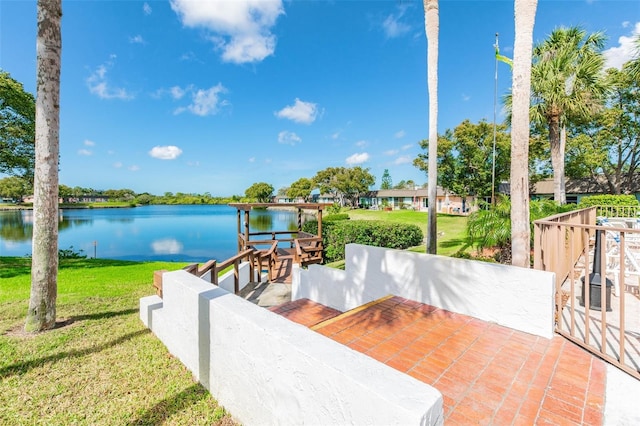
{"points": [[566, 85], [525, 13], [634, 64], [432, 28], [44, 265]]}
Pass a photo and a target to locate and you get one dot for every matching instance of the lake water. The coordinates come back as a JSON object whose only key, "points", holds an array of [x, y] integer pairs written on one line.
{"points": [[173, 233]]}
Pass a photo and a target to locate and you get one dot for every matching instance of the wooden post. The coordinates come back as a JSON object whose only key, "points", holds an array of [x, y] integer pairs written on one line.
{"points": [[319, 221], [246, 228], [157, 281], [240, 248], [236, 277]]}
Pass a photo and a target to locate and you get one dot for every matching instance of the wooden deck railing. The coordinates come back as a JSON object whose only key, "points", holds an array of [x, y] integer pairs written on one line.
{"points": [[258, 239], [556, 245], [215, 268], [565, 244]]}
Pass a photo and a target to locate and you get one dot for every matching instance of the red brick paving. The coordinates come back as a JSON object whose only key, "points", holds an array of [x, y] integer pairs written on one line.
{"points": [[487, 374], [305, 312]]}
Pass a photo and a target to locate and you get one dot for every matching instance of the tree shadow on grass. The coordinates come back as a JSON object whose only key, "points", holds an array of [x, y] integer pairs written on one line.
{"points": [[164, 409], [462, 242], [25, 366], [103, 315]]}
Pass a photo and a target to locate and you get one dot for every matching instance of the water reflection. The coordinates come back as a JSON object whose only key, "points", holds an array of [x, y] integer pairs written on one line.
{"points": [[167, 246], [16, 226], [260, 220], [263, 220]]}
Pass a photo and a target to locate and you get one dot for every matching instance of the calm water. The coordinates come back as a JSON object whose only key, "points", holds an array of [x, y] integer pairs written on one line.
{"points": [[176, 233]]}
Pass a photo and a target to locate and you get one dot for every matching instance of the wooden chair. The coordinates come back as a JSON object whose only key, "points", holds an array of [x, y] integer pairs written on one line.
{"points": [[308, 250], [270, 256]]}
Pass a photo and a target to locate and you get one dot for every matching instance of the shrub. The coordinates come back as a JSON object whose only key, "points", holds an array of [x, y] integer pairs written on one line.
{"points": [[337, 234], [70, 253], [335, 208], [608, 200]]}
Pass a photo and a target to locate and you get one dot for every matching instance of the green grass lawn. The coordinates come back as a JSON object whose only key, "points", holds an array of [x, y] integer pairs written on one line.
{"points": [[451, 228], [101, 366]]}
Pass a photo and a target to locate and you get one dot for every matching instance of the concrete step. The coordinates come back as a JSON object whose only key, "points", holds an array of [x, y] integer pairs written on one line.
{"points": [[267, 294]]}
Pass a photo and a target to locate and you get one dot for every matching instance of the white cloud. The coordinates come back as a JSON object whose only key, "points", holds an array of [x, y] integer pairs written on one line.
{"points": [[241, 29], [85, 152], [146, 9], [357, 158], [99, 86], [391, 152], [405, 159], [407, 146], [169, 152], [203, 101], [626, 50], [466, 97], [177, 92], [117, 165], [626, 24], [399, 134], [392, 25], [288, 138], [188, 56], [336, 135], [362, 144], [300, 112], [87, 142], [207, 102], [193, 163], [136, 39], [133, 168], [252, 159]]}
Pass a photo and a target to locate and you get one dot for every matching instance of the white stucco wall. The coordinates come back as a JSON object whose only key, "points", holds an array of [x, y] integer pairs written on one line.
{"points": [[519, 298], [265, 369]]}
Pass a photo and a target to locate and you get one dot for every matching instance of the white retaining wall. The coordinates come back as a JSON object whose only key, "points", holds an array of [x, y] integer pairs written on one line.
{"points": [[519, 298], [265, 369]]}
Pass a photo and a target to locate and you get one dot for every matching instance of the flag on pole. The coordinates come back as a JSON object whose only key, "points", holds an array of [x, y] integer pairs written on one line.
{"points": [[503, 58]]}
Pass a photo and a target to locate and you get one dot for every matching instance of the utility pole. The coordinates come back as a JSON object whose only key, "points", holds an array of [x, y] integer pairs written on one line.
{"points": [[495, 102]]}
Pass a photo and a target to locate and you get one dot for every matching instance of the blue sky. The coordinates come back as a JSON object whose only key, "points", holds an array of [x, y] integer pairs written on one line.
{"points": [[209, 96]]}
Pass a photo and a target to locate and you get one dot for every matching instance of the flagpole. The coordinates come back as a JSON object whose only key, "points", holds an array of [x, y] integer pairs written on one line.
{"points": [[495, 101]]}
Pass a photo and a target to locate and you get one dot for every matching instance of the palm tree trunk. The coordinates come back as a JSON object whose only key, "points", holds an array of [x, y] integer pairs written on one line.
{"points": [[432, 29], [525, 12], [44, 265], [557, 143]]}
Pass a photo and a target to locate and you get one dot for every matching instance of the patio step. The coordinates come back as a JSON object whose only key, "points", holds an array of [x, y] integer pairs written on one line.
{"points": [[349, 313], [267, 294]]}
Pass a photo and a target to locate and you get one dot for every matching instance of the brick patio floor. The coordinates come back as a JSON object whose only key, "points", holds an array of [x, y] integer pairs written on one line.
{"points": [[487, 374]]}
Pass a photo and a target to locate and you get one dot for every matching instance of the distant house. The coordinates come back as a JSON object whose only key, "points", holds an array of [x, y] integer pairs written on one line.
{"points": [[72, 200], [283, 199], [417, 199], [576, 189]]}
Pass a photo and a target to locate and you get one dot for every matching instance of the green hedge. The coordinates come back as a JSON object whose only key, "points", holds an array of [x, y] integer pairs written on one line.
{"points": [[336, 234], [608, 200]]}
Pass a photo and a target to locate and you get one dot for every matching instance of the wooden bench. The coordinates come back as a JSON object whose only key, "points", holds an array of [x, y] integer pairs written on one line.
{"points": [[308, 250], [270, 256]]}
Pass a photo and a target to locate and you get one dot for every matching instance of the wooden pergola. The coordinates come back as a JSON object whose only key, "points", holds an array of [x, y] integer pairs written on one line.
{"points": [[243, 210], [304, 248]]}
